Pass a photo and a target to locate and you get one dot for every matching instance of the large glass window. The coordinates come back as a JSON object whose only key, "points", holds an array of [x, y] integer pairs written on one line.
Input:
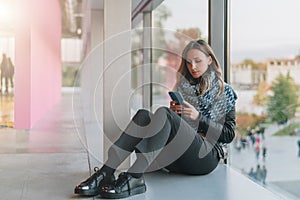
{"points": [[137, 66], [7, 62], [175, 23], [265, 43]]}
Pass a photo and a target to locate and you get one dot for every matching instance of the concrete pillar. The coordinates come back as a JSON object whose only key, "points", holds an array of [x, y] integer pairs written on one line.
{"points": [[105, 78], [91, 83], [117, 66]]}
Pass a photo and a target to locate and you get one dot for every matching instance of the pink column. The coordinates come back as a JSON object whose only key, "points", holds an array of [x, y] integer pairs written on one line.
{"points": [[37, 60]]}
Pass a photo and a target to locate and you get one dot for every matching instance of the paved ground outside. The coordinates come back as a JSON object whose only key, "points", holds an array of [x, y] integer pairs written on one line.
{"points": [[282, 162]]}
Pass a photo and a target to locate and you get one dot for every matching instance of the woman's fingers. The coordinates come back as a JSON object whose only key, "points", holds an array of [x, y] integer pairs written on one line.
{"points": [[172, 103], [187, 104], [190, 112], [176, 108], [186, 111]]}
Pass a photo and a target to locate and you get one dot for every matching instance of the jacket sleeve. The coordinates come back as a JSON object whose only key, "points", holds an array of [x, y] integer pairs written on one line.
{"points": [[222, 131]]}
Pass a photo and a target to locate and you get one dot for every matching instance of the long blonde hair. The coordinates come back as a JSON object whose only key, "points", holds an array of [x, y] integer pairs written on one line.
{"points": [[204, 80]]}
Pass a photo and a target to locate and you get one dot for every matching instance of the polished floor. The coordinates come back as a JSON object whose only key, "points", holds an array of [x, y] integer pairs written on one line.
{"points": [[47, 161], [7, 109]]}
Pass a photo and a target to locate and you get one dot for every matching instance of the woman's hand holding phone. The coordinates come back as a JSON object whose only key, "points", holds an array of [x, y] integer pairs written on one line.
{"points": [[186, 110], [177, 108]]}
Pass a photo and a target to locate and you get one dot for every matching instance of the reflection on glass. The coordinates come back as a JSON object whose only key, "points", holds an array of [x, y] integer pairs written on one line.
{"points": [[136, 66], [175, 25]]}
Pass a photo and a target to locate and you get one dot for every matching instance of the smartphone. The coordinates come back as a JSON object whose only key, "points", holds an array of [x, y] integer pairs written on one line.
{"points": [[176, 96]]}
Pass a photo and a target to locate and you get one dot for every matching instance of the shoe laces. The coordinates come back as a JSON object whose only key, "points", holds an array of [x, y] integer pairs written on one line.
{"points": [[106, 177], [122, 180], [96, 175]]}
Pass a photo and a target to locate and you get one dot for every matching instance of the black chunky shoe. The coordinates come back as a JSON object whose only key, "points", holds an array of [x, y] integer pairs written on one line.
{"points": [[93, 185], [123, 187]]}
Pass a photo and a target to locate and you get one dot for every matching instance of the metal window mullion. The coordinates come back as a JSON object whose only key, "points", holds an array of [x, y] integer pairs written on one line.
{"points": [[219, 33], [219, 37], [147, 57]]}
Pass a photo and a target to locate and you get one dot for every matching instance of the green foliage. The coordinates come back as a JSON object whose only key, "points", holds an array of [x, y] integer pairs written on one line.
{"points": [[69, 76], [283, 103], [288, 130], [247, 120]]}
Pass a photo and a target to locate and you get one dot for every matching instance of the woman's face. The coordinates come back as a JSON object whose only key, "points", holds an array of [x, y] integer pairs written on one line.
{"points": [[197, 62]]}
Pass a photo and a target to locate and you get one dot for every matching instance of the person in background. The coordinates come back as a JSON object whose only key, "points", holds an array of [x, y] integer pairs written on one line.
{"points": [[264, 152], [252, 174], [4, 71], [10, 72], [264, 174], [257, 150], [7, 72], [298, 148], [258, 173]]}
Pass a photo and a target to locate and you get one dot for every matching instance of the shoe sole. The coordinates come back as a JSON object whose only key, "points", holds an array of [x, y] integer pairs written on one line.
{"points": [[135, 191], [87, 192]]}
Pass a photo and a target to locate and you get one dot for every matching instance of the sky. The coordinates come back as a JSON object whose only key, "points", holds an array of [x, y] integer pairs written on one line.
{"points": [[260, 29]]}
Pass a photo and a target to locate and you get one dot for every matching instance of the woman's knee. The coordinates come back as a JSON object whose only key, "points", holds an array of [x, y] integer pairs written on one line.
{"points": [[164, 112], [162, 109], [161, 116], [142, 117], [143, 113]]}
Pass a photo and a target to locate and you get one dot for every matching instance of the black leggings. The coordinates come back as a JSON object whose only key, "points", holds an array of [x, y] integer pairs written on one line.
{"points": [[163, 140]]}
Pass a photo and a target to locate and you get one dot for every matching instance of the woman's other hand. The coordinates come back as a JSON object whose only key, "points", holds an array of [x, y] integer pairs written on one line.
{"points": [[190, 111], [176, 108]]}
